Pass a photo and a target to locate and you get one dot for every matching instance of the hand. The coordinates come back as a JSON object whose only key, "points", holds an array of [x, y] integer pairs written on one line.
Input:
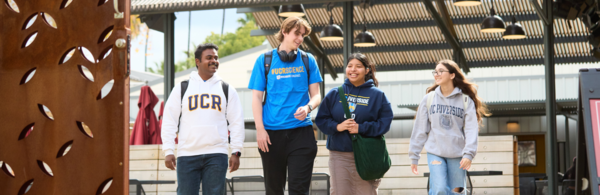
{"points": [[346, 125], [262, 138], [465, 164], [301, 113], [414, 169], [354, 129], [234, 163], [170, 162]]}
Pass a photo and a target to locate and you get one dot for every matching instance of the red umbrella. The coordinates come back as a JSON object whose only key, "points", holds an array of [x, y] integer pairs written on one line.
{"points": [[146, 125], [156, 138]]}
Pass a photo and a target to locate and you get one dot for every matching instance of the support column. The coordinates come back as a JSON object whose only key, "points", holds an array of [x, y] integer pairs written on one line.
{"points": [[320, 134], [551, 141], [169, 56], [348, 28], [568, 160]]}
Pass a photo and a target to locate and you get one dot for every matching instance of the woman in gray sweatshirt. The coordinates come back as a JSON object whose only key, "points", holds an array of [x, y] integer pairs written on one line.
{"points": [[447, 125]]}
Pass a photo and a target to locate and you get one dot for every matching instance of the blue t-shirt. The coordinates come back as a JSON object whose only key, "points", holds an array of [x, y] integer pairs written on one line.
{"points": [[287, 90]]}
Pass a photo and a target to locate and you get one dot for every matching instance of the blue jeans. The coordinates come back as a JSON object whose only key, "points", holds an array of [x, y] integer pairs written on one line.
{"points": [[445, 175], [210, 169]]}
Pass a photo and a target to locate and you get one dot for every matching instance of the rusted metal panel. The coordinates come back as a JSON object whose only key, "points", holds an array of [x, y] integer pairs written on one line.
{"points": [[78, 139]]}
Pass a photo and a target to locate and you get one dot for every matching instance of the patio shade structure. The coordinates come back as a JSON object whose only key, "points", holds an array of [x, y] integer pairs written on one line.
{"points": [[411, 36]]}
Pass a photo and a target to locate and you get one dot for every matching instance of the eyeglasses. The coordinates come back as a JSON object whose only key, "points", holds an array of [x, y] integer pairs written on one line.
{"points": [[435, 72]]}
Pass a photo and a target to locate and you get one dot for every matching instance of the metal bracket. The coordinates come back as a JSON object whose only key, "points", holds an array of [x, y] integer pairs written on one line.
{"points": [[453, 41], [118, 14], [366, 3], [540, 12]]}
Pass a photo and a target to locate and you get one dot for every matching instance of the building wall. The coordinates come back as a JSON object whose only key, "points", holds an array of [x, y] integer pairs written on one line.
{"points": [[540, 150]]}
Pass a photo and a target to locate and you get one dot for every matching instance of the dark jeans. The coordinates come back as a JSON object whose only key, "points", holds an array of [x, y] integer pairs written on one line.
{"points": [[210, 169], [294, 151]]}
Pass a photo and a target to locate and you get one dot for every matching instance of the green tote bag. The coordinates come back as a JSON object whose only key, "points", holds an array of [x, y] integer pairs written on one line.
{"points": [[370, 153]]}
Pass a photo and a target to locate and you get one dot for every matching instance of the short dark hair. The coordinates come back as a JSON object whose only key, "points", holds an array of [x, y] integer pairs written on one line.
{"points": [[202, 47]]}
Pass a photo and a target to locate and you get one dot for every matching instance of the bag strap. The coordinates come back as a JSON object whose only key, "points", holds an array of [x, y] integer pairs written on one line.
{"points": [[225, 87], [184, 86], [342, 95], [306, 65], [267, 62], [430, 96]]}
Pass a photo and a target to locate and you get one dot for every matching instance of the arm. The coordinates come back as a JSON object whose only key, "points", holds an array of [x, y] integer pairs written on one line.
{"points": [[420, 132], [315, 100], [170, 121], [324, 118], [257, 109], [471, 129], [262, 137], [315, 79], [258, 86], [382, 124], [315, 95], [235, 117]]}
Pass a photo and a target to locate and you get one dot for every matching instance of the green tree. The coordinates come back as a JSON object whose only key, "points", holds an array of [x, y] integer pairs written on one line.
{"points": [[229, 43], [179, 66], [241, 40]]}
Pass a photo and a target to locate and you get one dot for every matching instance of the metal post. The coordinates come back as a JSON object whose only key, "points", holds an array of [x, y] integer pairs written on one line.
{"points": [[568, 158], [189, 34], [169, 57], [321, 135], [551, 149], [348, 28]]}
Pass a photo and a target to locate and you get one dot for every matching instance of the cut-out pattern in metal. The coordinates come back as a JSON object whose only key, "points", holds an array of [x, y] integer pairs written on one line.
{"points": [[61, 133], [28, 75], [64, 149], [26, 131]]}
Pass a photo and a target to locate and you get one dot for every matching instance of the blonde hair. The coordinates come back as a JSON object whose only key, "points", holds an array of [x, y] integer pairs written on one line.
{"points": [[292, 23]]}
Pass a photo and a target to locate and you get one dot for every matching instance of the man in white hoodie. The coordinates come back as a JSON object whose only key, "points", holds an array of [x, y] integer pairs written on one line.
{"points": [[200, 117]]}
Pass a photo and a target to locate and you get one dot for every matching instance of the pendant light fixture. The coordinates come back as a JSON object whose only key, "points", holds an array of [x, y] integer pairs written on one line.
{"points": [[466, 3], [493, 23], [331, 32], [364, 38], [514, 30], [291, 10]]}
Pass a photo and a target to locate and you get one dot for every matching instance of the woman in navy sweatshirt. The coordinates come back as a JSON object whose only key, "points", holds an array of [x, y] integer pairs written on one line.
{"points": [[371, 116]]}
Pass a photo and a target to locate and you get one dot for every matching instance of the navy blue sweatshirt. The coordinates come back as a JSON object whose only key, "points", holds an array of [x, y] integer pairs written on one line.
{"points": [[369, 108]]}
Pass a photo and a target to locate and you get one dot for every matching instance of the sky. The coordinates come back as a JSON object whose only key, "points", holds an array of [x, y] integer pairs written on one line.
{"points": [[202, 24]]}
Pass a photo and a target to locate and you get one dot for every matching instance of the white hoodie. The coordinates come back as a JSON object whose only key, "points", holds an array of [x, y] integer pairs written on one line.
{"points": [[203, 128]]}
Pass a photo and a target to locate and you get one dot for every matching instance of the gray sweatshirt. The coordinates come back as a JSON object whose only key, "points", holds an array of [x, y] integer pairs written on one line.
{"points": [[440, 129]]}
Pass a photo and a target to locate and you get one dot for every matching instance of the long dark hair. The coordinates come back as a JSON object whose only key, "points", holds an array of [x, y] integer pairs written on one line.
{"points": [[365, 61], [467, 87]]}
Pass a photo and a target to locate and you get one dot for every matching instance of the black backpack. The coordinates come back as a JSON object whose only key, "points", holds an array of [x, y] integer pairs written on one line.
{"points": [[268, 61]]}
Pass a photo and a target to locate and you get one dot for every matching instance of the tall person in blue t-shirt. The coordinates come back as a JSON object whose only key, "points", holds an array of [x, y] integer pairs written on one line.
{"points": [[289, 79]]}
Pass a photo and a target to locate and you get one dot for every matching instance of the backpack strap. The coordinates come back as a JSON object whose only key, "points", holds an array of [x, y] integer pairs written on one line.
{"points": [[430, 96], [184, 86], [306, 65], [267, 62], [225, 87]]}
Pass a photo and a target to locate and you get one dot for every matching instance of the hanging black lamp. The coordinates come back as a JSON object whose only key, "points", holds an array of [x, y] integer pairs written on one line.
{"points": [[331, 32], [364, 38], [493, 23], [291, 10], [514, 30], [467, 3]]}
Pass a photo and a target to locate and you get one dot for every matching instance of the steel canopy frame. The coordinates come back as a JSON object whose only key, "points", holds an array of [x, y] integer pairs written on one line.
{"points": [[444, 26]]}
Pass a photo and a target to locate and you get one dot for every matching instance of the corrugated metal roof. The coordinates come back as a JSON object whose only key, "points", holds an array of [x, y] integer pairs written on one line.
{"points": [[168, 6], [407, 35]]}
